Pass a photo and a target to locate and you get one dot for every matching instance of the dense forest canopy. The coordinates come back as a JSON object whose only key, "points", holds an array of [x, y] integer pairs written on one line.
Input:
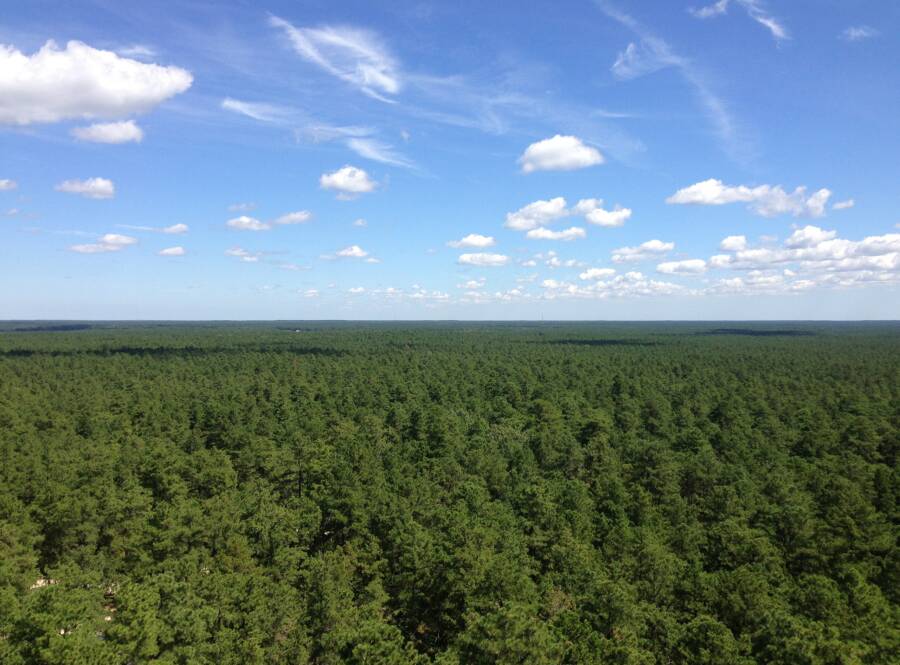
{"points": [[449, 493]]}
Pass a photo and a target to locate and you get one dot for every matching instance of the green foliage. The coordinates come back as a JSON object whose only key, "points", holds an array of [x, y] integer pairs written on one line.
{"points": [[377, 494]]}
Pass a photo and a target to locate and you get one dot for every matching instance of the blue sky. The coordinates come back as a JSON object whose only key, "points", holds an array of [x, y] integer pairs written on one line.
{"points": [[730, 159]]}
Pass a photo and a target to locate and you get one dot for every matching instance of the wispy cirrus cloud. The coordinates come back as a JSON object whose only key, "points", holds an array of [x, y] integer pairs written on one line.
{"points": [[856, 33], [755, 9], [652, 53], [354, 55], [378, 151]]}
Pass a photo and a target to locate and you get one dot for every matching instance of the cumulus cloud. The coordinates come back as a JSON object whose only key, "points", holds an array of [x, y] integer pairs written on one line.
{"points": [[536, 214], [597, 273], [843, 205], [808, 236], [79, 81], [733, 243], [298, 217], [354, 55], [473, 240], [764, 200], [543, 213], [92, 188], [483, 259], [172, 251], [857, 33], [246, 223], [472, 284], [543, 233], [111, 242], [650, 249], [631, 284], [243, 254], [353, 252], [595, 214], [356, 290], [813, 251], [7, 185], [559, 153], [110, 132], [686, 267], [348, 181]]}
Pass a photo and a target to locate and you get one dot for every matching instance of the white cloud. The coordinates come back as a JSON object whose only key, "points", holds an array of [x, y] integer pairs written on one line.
{"points": [[311, 293], [688, 266], [137, 51], [715, 9], [483, 259], [764, 200], [360, 223], [631, 284], [246, 223], [80, 82], [857, 33], [348, 181], [595, 214], [257, 110], [473, 240], [172, 251], [241, 207], [536, 214], [733, 243], [92, 188], [543, 233], [755, 10], [6, 184], [597, 273], [843, 205], [472, 284], [353, 252], [111, 242], [110, 132], [174, 229], [243, 254], [559, 153], [653, 54], [808, 236], [814, 253], [353, 55], [644, 57], [378, 151], [650, 249], [298, 217], [356, 290]]}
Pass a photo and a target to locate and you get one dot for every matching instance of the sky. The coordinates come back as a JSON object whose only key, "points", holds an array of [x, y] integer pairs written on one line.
{"points": [[721, 159]]}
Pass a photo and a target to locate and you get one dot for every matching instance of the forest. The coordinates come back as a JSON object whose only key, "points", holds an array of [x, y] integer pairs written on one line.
{"points": [[449, 493]]}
